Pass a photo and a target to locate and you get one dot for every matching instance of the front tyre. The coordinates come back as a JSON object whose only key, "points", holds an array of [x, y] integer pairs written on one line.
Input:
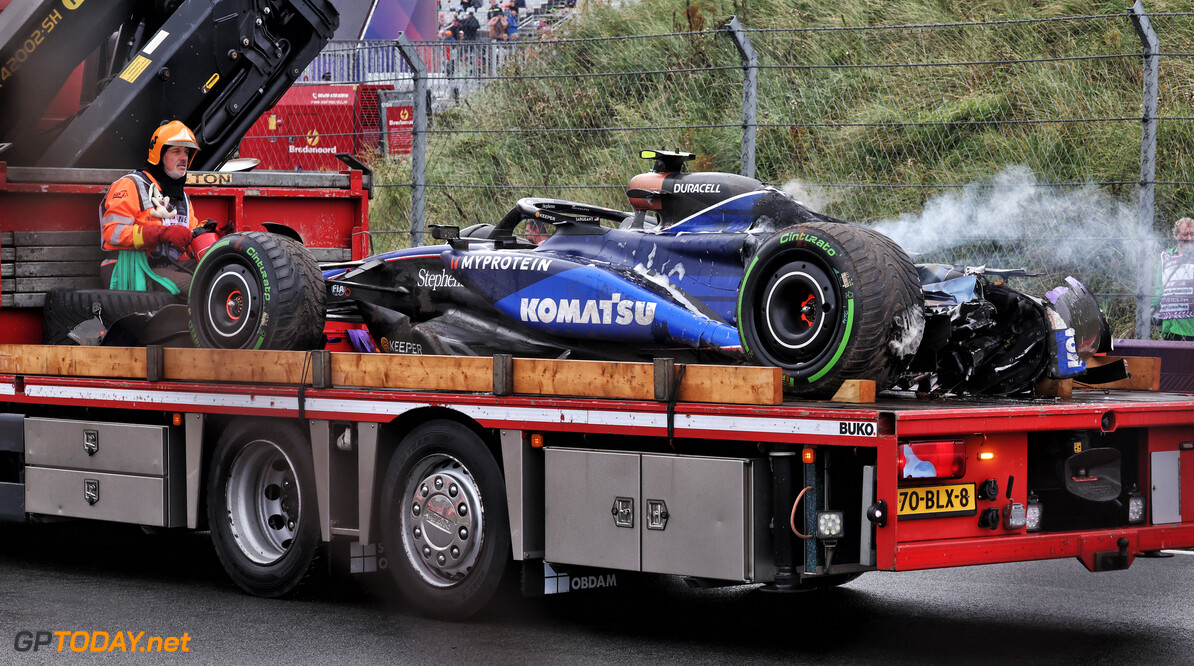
{"points": [[444, 521], [255, 290], [261, 507], [827, 302]]}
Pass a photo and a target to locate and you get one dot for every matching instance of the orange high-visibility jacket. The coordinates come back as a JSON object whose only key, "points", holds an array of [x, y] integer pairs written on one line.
{"points": [[127, 209]]}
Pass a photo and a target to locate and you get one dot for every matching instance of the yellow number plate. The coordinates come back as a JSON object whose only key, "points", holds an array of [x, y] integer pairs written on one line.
{"points": [[955, 499]]}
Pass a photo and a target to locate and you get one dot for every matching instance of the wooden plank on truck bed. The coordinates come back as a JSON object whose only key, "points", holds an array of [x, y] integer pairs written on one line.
{"points": [[73, 361], [598, 379], [234, 365], [727, 384], [41, 285], [89, 238], [51, 269], [1144, 373], [432, 373], [732, 384], [64, 253]]}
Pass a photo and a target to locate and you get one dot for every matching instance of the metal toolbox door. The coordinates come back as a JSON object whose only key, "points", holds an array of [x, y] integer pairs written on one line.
{"points": [[121, 498], [592, 508], [702, 517], [110, 447]]}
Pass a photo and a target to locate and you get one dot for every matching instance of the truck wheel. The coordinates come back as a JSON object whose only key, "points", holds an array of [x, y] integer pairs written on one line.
{"points": [[443, 509], [261, 507], [828, 302], [255, 290], [67, 308]]}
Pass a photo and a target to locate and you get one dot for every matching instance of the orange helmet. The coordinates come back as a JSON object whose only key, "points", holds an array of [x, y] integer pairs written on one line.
{"points": [[173, 133]]}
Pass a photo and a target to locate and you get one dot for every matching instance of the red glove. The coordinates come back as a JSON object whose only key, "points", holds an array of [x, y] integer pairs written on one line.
{"points": [[174, 234], [226, 227]]}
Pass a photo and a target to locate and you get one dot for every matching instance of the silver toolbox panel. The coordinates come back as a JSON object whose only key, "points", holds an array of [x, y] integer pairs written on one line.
{"points": [[713, 526], [689, 515], [581, 489], [1166, 474], [122, 498], [109, 447]]}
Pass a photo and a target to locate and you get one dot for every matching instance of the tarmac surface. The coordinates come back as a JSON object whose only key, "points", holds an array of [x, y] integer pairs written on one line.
{"points": [[67, 578]]}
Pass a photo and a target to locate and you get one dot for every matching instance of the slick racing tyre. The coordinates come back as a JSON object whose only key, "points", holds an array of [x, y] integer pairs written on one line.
{"points": [[828, 302], [67, 308], [443, 512], [261, 507], [256, 290]]}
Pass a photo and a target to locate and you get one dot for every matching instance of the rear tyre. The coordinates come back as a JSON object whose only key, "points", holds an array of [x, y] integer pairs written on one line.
{"points": [[444, 521], [256, 290], [67, 308], [828, 302], [261, 507]]}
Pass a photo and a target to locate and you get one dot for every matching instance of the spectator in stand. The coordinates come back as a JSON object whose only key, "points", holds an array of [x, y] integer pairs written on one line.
{"points": [[511, 21], [498, 23], [1173, 305], [471, 26]]}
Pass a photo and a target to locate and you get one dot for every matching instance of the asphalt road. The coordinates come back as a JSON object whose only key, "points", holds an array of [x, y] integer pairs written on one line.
{"points": [[75, 577]]}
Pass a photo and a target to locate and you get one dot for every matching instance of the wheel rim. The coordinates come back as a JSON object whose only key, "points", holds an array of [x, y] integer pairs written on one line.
{"points": [[443, 521], [798, 313], [233, 305], [264, 502]]}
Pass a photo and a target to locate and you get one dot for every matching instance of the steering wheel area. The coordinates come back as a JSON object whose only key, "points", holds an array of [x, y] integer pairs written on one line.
{"points": [[555, 212]]}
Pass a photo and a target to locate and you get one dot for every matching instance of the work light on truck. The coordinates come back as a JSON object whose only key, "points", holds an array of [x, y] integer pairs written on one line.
{"points": [[1032, 513], [932, 460], [1135, 505], [829, 525]]}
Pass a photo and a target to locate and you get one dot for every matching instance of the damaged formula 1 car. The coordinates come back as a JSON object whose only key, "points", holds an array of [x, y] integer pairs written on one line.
{"points": [[707, 267]]}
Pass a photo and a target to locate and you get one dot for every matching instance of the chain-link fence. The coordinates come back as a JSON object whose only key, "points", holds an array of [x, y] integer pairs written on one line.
{"points": [[1060, 145]]}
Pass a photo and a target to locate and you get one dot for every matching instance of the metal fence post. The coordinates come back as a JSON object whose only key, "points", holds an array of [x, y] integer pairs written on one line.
{"points": [[750, 94], [1148, 163], [418, 148]]}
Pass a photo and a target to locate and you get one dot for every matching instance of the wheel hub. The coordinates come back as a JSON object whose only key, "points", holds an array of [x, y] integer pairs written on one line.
{"points": [[442, 525], [235, 305], [263, 501], [232, 303], [796, 306]]}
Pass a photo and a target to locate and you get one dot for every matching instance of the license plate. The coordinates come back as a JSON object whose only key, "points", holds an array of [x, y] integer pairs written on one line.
{"points": [[955, 499]]}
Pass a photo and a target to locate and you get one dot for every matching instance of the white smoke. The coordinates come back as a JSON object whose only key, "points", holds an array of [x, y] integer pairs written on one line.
{"points": [[816, 198], [1060, 224]]}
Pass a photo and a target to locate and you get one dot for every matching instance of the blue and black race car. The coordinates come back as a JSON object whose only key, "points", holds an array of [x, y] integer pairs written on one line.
{"points": [[706, 267]]}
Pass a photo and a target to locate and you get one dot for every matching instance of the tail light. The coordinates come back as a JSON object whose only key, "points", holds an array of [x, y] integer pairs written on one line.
{"points": [[932, 460]]}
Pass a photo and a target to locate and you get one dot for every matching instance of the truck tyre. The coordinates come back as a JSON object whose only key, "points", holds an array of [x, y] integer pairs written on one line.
{"points": [[67, 308], [827, 302], [261, 507], [444, 521], [255, 290]]}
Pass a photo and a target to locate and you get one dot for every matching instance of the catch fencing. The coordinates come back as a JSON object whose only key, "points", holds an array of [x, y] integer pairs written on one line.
{"points": [[1058, 145]]}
